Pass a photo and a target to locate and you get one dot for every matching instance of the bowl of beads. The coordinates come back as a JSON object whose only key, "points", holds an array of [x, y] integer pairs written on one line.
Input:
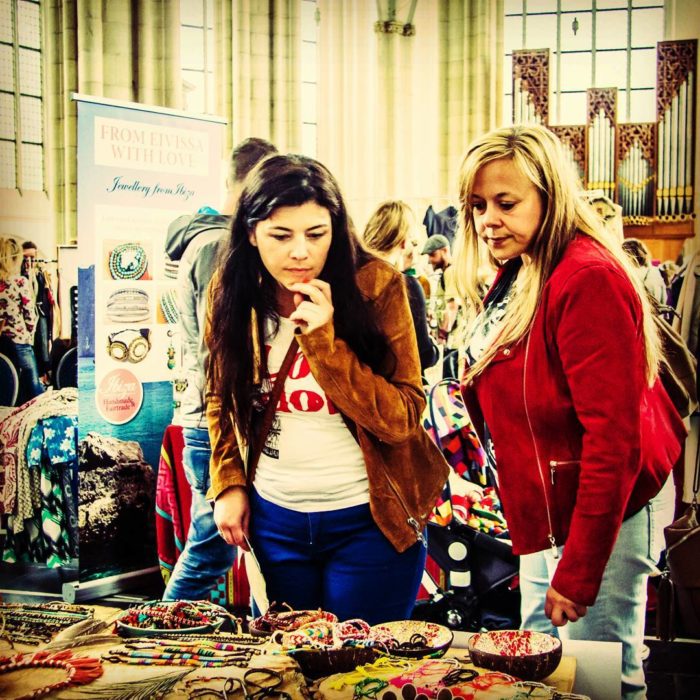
{"points": [[413, 638], [282, 618], [524, 654], [159, 618]]}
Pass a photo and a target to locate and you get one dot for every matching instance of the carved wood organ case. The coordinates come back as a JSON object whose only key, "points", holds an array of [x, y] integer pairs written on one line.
{"points": [[646, 168]]}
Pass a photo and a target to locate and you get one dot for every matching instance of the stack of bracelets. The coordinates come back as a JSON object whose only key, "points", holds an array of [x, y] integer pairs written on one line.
{"points": [[36, 624], [286, 620], [208, 653], [128, 261], [168, 305], [171, 268], [174, 615], [323, 634], [128, 305]]}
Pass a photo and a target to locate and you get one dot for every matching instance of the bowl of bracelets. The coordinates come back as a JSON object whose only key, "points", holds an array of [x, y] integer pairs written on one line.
{"points": [[128, 261], [414, 638], [524, 654], [128, 305], [159, 618], [323, 648]]}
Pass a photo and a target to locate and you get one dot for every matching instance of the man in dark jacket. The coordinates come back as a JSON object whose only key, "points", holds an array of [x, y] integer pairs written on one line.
{"points": [[193, 241]]}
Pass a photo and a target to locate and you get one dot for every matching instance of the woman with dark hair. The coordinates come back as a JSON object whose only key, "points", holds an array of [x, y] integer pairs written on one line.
{"points": [[346, 478]]}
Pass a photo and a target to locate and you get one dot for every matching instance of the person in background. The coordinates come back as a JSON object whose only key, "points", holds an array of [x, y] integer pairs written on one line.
{"points": [[651, 276], [43, 299], [194, 242], [388, 234], [18, 318], [445, 305], [563, 361], [347, 477]]}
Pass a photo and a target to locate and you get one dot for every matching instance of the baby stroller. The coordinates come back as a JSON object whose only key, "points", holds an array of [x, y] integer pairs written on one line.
{"points": [[472, 573]]}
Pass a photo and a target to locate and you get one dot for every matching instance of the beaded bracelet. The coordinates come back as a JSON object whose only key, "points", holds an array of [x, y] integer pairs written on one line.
{"points": [[168, 305], [128, 261], [172, 615], [128, 305]]}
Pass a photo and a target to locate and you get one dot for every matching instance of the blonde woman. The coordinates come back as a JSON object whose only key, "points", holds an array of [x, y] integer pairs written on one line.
{"points": [[388, 236], [18, 318], [563, 364]]}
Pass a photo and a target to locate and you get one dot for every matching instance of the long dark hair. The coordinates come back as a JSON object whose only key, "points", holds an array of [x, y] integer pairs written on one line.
{"points": [[245, 286]]}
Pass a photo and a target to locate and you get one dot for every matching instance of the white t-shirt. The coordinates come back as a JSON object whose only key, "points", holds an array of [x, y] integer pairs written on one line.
{"points": [[310, 461]]}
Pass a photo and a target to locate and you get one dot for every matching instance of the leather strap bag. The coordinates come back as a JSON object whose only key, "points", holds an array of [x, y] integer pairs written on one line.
{"points": [[258, 442], [678, 610], [678, 370]]}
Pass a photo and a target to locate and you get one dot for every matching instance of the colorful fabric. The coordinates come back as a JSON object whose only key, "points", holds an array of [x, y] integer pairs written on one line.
{"points": [[173, 504], [173, 501], [20, 492], [17, 310], [46, 536]]}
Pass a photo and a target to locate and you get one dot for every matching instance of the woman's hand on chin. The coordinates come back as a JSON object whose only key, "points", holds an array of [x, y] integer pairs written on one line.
{"points": [[314, 304]]}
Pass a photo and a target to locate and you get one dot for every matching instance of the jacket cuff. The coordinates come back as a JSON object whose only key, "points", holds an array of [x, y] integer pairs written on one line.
{"points": [[223, 477]]}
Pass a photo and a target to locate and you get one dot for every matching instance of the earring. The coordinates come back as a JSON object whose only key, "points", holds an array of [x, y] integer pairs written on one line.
{"points": [[171, 352]]}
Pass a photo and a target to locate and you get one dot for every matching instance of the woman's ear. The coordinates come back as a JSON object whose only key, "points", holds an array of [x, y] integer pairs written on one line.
{"points": [[252, 239]]}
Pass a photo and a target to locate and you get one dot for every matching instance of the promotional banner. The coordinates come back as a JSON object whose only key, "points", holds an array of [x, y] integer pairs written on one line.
{"points": [[138, 169]]}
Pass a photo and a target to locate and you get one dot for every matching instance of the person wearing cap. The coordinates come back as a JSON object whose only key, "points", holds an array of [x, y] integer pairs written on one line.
{"points": [[445, 303]]}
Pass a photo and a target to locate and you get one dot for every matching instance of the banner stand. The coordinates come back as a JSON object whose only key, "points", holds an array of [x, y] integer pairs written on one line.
{"points": [[77, 592]]}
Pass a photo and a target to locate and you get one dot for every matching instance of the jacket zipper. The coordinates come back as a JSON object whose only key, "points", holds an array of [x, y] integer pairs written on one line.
{"points": [[413, 523], [554, 463], [550, 536]]}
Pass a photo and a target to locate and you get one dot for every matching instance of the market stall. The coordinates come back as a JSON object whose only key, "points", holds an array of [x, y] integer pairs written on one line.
{"points": [[198, 650]]}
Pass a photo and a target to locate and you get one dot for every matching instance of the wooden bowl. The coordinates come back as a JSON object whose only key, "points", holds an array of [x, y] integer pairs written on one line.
{"points": [[528, 655], [437, 638], [317, 663]]}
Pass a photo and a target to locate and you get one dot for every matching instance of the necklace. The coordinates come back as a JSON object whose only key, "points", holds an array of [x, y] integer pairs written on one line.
{"points": [[79, 670], [127, 261]]}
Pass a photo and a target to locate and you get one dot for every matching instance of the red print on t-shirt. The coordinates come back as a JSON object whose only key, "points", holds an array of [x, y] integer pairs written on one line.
{"points": [[301, 399]]}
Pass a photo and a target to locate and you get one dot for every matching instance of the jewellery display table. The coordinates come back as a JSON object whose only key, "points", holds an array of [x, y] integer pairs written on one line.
{"points": [[587, 668]]}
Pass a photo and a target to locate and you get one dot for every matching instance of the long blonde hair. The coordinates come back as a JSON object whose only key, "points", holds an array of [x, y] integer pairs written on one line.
{"points": [[10, 258], [388, 227], [538, 154]]}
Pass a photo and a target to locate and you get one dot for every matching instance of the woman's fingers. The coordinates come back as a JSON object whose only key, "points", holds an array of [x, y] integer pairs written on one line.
{"points": [[561, 610], [232, 515], [314, 306]]}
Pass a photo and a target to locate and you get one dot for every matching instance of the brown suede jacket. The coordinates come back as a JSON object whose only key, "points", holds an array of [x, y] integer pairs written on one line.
{"points": [[406, 471]]}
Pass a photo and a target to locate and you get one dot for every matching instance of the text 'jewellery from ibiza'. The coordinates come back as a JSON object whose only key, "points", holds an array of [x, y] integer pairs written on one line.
{"points": [[168, 305], [128, 261], [129, 345], [128, 305]]}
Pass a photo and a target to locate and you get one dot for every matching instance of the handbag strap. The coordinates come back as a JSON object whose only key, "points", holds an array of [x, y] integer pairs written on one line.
{"points": [[269, 414]]}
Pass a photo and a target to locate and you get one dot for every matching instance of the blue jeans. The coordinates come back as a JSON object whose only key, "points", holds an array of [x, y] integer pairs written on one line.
{"points": [[206, 556], [619, 612], [336, 560], [29, 384]]}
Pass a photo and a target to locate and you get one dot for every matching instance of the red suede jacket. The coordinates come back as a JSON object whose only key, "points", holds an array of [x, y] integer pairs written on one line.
{"points": [[582, 442]]}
